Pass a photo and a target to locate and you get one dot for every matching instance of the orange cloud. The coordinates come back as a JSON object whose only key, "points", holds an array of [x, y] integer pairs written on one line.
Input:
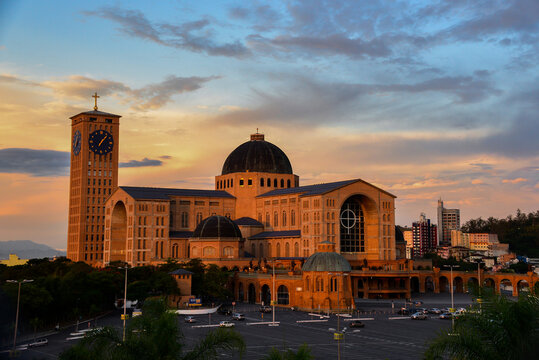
{"points": [[477, 182], [514, 181]]}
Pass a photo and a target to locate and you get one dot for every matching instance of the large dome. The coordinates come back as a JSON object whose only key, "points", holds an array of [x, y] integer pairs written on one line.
{"points": [[217, 226], [326, 260], [257, 155]]}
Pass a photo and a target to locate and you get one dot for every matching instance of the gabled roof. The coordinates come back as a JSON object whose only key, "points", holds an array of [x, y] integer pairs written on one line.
{"points": [[96, 113], [277, 234], [317, 189], [150, 193], [247, 221], [180, 234]]}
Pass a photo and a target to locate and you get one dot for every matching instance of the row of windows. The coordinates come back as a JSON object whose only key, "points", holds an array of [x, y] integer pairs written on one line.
{"points": [[228, 183], [159, 249], [276, 218], [97, 257], [100, 127], [319, 284], [91, 237], [92, 181], [94, 219], [92, 190], [92, 200], [159, 220], [98, 228], [99, 173]]}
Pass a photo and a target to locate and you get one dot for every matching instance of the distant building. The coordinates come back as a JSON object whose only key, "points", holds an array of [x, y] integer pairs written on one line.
{"points": [[13, 260], [423, 236], [409, 239], [448, 219]]}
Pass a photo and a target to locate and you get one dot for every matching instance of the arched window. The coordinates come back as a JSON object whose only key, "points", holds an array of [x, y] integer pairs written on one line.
{"points": [[275, 183], [227, 182], [208, 251], [261, 251], [307, 280], [260, 218], [288, 183], [278, 252], [253, 250], [267, 219], [282, 183], [292, 218], [287, 250], [296, 249], [228, 251], [284, 218], [282, 295], [199, 218], [275, 219], [268, 183], [231, 182], [333, 284], [262, 182], [185, 219]]}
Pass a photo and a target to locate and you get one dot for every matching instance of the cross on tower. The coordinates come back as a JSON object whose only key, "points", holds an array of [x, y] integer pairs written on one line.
{"points": [[95, 96]]}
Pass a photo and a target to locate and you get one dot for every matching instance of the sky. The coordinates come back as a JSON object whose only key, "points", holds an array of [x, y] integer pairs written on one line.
{"points": [[425, 99]]}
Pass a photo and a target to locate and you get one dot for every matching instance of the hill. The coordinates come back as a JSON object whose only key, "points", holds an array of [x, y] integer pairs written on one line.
{"points": [[26, 249]]}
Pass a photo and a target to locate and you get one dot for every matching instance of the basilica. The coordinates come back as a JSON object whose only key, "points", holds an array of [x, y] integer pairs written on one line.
{"points": [[314, 246]]}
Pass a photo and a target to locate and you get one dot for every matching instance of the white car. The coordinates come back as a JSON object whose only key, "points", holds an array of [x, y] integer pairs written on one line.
{"points": [[226, 324], [419, 316], [38, 342]]}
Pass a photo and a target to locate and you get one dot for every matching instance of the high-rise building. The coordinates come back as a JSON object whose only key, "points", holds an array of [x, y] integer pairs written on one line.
{"points": [[424, 236], [93, 178], [448, 219], [409, 240]]}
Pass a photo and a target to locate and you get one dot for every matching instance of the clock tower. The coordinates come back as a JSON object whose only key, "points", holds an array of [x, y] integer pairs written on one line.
{"points": [[93, 178]]}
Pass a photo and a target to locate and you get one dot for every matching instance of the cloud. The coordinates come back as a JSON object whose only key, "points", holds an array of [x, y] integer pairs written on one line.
{"points": [[193, 36], [514, 181], [149, 97], [34, 162], [141, 163], [12, 79], [477, 182]]}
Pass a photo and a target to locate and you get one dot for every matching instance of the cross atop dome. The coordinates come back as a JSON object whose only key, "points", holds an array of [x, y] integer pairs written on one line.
{"points": [[257, 136]]}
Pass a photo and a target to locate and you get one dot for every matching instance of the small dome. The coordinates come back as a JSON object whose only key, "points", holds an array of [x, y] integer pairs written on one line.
{"points": [[217, 226], [257, 155], [326, 261]]}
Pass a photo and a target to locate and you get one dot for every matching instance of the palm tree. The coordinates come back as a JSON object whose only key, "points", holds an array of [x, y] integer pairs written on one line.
{"points": [[502, 329], [303, 353], [154, 335]]}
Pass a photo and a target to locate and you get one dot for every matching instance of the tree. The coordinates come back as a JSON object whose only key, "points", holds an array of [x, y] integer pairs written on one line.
{"points": [[153, 335], [501, 329], [303, 353]]}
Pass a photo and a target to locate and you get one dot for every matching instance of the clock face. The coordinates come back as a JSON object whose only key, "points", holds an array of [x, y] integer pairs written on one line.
{"points": [[101, 142], [76, 142]]}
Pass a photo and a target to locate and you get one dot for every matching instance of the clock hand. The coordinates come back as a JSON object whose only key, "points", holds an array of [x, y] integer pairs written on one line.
{"points": [[101, 142]]}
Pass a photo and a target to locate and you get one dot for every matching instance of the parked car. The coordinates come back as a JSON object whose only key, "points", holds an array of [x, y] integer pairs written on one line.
{"points": [[446, 316], [190, 319], [265, 309], [39, 342], [238, 316], [419, 316], [356, 324], [226, 324], [423, 310], [435, 311]]}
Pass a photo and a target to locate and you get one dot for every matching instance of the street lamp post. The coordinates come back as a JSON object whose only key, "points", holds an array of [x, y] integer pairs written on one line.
{"points": [[17, 313], [338, 313], [452, 302], [125, 301], [273, 294]]}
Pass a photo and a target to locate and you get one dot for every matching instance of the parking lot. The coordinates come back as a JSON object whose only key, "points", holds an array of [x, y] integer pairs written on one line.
{"points": [[386, 334]]}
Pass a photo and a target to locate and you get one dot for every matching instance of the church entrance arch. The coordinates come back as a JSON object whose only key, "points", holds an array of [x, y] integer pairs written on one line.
{"points": [[523, 287], [506, 287], [266, 295], [489, 283], [472, 285], [251, 296], [282, 295], [429, 284], [414, 284], [444, 284], [458, 285], [118, 234], [358, 220]]}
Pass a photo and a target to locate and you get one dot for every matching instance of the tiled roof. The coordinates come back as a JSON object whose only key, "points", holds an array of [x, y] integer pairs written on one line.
{"points": [[309, 190], [180, 272], [180, 234], [277, 234], [96, 112], [247, 221], [166, 193]]}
